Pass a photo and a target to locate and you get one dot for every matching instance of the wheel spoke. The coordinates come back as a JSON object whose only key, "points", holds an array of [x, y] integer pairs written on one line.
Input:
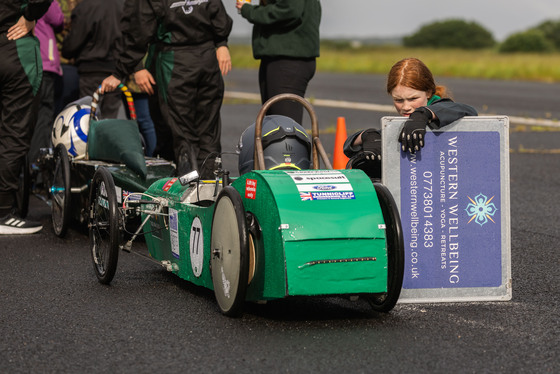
{"points": [[58, 199]]}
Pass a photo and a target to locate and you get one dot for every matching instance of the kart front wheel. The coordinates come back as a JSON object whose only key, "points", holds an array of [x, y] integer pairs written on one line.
{"points": [[103, 225], [395, 252], [60, 191], [230, 252]]}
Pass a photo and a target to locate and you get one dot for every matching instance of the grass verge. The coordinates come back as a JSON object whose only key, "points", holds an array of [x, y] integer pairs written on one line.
{"points": [[483, 64]]}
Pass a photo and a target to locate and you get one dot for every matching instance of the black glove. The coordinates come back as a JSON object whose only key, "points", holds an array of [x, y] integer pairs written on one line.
{"points": [[368, 159], [414, 130], [371, 144]]}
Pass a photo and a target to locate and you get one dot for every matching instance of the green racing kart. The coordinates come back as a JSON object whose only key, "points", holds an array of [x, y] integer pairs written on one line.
{"points": [[267, 234]]}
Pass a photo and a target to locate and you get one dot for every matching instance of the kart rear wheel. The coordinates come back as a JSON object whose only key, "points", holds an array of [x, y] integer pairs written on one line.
{"points": [[24, 186], [103, 225], [230, 252], [60, 191], [395, 252]]}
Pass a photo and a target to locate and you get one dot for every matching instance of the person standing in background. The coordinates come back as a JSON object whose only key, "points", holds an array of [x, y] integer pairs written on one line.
{"points": [[67, 87], [51, 22], [143, 117], [189, 41], [286, 40], [94, 32], [21, 72]]}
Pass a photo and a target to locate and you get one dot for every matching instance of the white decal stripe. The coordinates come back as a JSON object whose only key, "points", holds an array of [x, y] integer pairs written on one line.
{"points": [[324, 187]]}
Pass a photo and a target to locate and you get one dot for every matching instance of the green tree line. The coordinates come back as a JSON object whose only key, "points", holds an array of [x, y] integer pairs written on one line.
{"points": [[457, 33]]}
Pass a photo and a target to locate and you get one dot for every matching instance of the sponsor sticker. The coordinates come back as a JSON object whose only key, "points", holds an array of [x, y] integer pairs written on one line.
{"points": [[334, 195], [174, 232], [324, 187], [317, 176]]}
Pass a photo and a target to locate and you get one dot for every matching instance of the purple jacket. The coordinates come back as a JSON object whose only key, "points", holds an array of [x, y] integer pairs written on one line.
{"points": [[51, 22]]}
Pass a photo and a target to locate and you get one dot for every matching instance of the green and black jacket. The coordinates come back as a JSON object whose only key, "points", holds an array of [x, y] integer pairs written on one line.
{"points": [[168, 24], [285, 28]]}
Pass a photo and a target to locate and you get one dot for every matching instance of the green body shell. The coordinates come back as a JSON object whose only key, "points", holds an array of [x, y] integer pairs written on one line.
{"points": [[318, 233]]}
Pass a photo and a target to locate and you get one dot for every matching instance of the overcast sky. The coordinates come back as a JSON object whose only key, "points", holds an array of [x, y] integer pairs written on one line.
{"points": [[371, 18]]}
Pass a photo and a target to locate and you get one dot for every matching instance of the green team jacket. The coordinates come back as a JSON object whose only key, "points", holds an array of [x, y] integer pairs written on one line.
{"points": [[285, 28]]}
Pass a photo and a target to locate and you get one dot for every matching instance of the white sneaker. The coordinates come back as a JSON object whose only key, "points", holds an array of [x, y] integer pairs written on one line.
{"points": [[12, 225]]}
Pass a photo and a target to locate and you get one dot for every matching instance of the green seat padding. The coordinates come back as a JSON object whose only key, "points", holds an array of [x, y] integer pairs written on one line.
{"points": [[117, 140]]}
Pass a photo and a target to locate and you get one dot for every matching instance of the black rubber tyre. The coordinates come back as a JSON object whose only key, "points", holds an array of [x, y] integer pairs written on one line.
{"points": [[230, 252], [103, 225], [60, 191], [395, 252], [24, 187]]}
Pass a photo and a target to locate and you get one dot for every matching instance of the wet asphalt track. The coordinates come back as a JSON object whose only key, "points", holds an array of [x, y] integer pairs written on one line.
{"points": [[56, 318]]}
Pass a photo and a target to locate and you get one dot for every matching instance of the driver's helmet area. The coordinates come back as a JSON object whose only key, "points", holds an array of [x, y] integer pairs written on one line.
{"points": [[286, 145]]}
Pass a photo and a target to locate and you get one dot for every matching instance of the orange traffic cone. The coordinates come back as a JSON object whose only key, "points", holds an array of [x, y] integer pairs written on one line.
{"points": [[339, 158]]}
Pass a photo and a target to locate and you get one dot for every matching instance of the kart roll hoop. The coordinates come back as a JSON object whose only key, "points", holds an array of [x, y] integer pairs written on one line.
{"points": [[318, 149]]}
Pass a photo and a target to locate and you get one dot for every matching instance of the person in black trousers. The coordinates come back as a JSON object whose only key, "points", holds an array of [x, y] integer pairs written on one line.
{"points": [[286, 40], [189, 55], [20, 83]]}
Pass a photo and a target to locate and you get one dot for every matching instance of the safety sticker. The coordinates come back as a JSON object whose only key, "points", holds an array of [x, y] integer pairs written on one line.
{"points": [[168, 184], [174, 232], [250, 189], [196, 247]]}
